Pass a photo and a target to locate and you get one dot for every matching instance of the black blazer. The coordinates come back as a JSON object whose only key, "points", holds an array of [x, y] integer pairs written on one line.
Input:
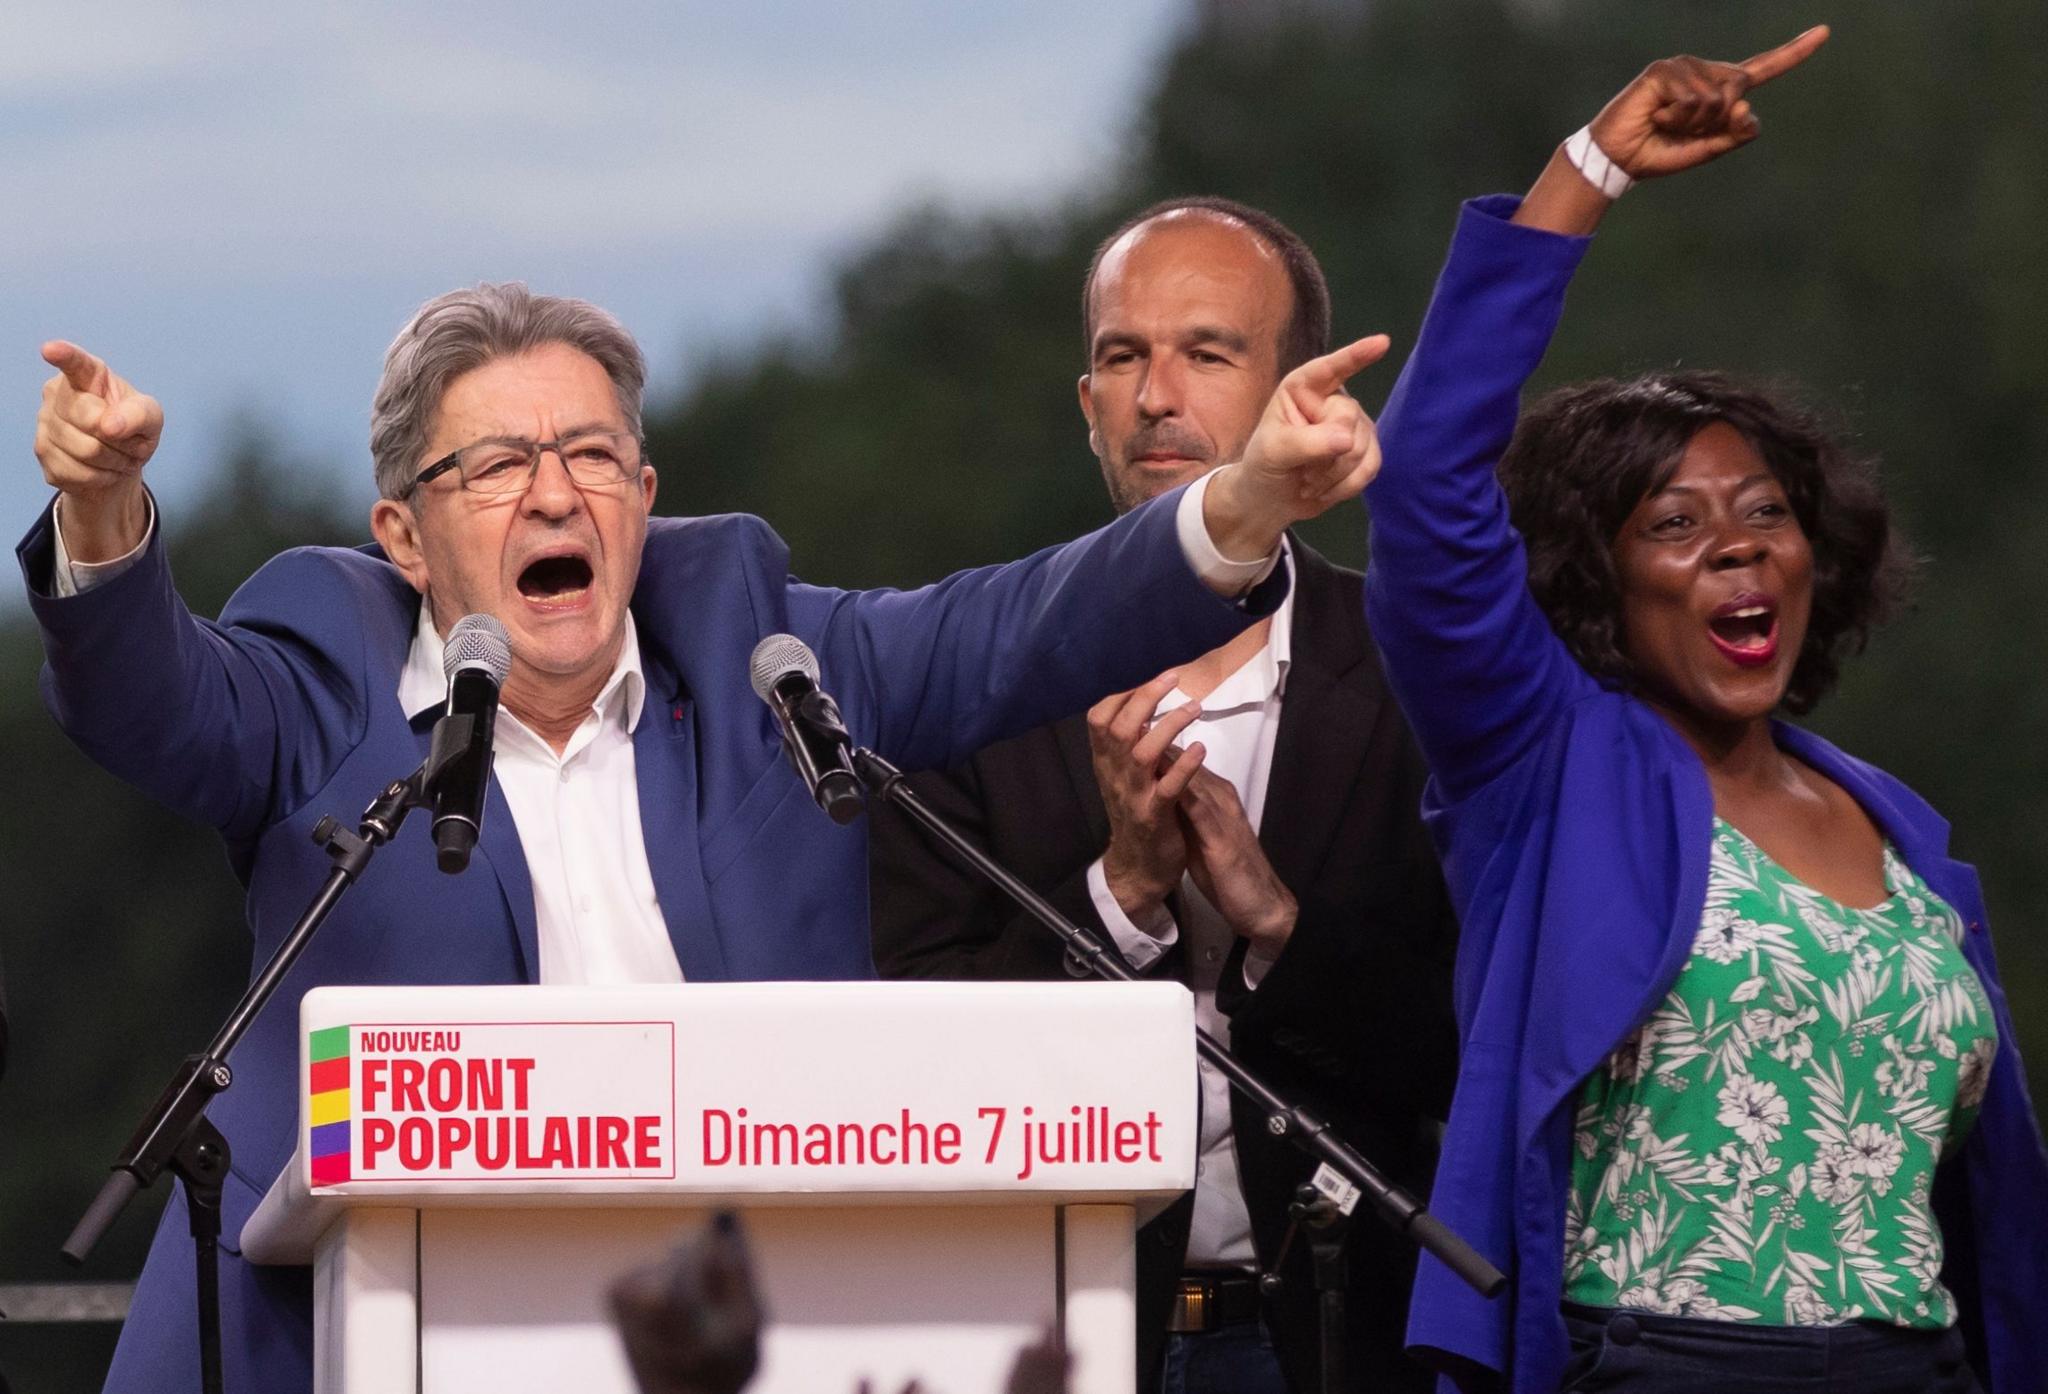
{"points": [[1354, 1019]]}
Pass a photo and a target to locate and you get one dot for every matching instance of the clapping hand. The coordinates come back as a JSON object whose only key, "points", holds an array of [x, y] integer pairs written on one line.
{"points": [[1142, 774], [1230, 868]]}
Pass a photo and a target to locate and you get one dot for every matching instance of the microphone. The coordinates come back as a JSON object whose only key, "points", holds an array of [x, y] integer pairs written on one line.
{"points": [[785, 676], [476, 659]]}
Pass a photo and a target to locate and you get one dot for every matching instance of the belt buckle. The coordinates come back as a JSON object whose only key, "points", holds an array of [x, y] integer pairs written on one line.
{"points": [[1194, 1308]]}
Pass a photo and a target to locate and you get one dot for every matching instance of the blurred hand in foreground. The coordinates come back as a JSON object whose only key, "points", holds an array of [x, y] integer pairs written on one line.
{"points": [[692, 1323]]}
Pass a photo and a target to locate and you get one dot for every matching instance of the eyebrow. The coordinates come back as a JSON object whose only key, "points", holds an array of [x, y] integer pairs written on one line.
{"points": [[586, 428], [1760, 477], [1201, 334], [1216, 334]]}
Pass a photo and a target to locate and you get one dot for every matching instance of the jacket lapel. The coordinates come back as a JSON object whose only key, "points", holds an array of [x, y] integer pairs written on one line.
{"points": [[497, 854], [665, 766], [498, 848], [1079, 762], [1333, 699]]}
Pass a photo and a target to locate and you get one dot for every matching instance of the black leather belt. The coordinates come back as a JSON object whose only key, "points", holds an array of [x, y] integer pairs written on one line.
{"points": [[1207, 1301]]}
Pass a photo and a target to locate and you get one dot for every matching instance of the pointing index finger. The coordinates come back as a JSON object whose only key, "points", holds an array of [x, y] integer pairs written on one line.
{"points": [[1330, 372], [1785, 57], [84, 372]]}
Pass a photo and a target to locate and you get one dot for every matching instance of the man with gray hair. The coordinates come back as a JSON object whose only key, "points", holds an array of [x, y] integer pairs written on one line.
{"points": [[642, 825]]}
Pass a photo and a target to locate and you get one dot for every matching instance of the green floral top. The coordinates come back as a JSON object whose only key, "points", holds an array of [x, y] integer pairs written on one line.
{"points": [[1762, 1148]]}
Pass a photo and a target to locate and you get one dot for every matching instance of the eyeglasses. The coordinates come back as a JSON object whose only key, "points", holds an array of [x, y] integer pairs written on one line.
{"points": [[506, 464]]}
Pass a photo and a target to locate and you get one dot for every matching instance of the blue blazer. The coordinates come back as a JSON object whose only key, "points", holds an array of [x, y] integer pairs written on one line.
{"points": [[1575, 825], [287, 709]]}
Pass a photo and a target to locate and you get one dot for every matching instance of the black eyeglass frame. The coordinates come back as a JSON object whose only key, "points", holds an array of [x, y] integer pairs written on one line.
{"points": [[453, 461]]}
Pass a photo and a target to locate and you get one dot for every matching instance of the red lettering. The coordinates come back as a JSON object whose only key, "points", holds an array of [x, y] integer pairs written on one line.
{"points": [[378, 1135], [717, 1124], [1128, 1148], [415, 1144], [995, 1135], [520, 1069], [647, 1141], [611, 1138], [554, 1143], [493, 1143], [486, 1084], [373, 1082], [915, 1135], [1152, 1134], [405, 1086], [946, 1144], [444, 1085], [455, 1134]]}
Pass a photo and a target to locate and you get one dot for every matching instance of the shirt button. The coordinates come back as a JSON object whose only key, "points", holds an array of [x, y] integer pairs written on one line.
{"points": [[1211, 955], [1623, 1330], [563, 774]]}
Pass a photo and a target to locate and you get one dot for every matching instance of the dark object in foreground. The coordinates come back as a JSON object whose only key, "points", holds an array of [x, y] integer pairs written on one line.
{"points": [[1041, 1367], [692, 1322]]}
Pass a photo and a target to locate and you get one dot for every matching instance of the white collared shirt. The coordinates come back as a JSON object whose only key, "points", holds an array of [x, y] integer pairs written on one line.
{"points": [[578, 817], [1237, 727]]}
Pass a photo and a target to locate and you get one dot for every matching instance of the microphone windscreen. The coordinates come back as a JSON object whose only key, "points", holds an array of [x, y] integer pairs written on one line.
{"points": [[478, 641], [775, 658]]}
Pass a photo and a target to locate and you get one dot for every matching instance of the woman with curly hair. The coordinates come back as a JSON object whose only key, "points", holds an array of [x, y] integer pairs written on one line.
{"points": [[1739, 1106]]}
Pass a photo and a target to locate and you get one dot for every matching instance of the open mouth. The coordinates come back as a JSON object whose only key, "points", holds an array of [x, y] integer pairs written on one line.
{"points": [[556, 580], [1746, 629]]}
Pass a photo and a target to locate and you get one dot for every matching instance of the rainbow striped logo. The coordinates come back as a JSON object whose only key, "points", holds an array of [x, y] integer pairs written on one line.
{"points": [[327, 1105]]}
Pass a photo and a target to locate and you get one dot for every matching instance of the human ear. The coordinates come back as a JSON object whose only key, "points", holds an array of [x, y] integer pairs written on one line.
{"points": [[397, 530]]}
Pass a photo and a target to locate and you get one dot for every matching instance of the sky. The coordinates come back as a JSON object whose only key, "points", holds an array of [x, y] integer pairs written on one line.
{"points": [[237, 205]]}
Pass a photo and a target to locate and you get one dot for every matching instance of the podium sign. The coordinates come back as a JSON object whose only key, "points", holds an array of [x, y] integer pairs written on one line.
{"points": [[933, 1171]]}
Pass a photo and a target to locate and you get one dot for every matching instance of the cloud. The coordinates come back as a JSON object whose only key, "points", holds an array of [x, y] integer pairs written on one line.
{"points": [[239, 203]]}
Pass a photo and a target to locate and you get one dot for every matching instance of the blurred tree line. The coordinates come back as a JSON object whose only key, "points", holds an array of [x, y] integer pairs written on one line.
{"points": [[1879, 245]]}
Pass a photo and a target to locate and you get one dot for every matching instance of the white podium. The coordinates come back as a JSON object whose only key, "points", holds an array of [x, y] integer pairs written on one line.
{"points": [[931, 1174]]}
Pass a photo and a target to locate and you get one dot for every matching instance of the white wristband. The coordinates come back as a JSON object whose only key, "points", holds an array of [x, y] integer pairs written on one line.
{"points": [[1590, 160]]}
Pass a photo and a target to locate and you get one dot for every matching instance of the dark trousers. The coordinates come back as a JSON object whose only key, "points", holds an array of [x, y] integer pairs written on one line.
{"points": [[1234, 1359], [1613, 1349]]}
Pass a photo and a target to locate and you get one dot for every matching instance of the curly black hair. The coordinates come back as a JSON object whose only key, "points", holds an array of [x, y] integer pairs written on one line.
{"points": [[1584, 456]]}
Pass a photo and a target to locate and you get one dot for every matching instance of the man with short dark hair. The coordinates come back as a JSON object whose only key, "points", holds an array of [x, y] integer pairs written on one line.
{"points": [[642, 826], [1247, 823]]}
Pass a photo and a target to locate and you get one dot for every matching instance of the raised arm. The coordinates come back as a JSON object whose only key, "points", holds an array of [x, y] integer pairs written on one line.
{"points": [[1473, 661], [213, 720], [93, 436]]}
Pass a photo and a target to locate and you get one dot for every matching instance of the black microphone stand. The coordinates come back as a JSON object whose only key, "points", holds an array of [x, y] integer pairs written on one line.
{"points": [[1298, 1125], [175, 1135]]}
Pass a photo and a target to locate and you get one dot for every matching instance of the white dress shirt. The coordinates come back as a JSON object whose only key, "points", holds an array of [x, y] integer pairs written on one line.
{"points": [[1237, 726], [578, 816]]}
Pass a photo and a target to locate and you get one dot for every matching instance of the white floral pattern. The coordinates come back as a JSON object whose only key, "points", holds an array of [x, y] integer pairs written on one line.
{"points": [[1762, 1148]]}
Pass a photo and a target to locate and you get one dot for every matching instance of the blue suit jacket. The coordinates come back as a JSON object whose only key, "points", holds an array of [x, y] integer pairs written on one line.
{"points": [[1575, 826], [287, 710]]}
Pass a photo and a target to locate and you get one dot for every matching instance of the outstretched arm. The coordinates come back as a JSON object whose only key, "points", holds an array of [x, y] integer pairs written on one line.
{"points": [[211, 719], [937, 673], [1472, 659]]}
